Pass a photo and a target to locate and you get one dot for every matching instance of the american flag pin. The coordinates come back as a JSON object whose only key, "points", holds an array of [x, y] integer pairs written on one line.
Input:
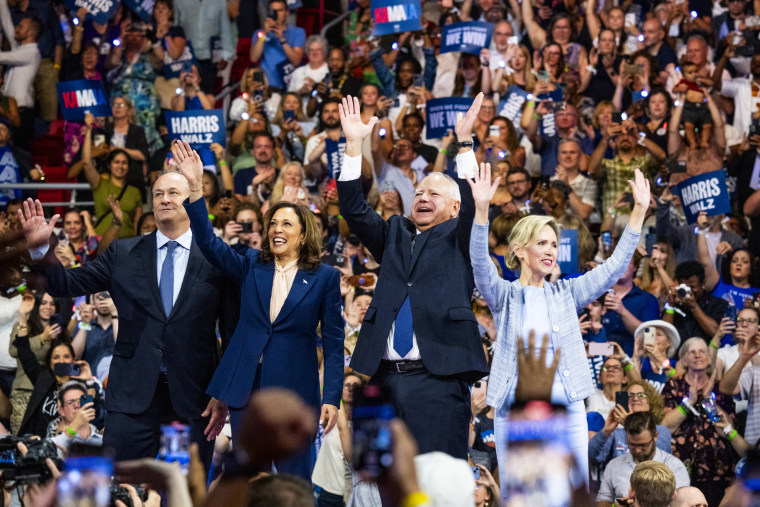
{"points": [[307, 283]]}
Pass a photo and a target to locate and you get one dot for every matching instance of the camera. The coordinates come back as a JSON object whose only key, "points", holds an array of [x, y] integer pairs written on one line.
{"points": [[683, 290], [30, 468], [121, 493]]}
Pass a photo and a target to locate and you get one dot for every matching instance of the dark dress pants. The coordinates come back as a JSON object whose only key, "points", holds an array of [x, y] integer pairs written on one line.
{"points": [[435, 409], [134, 436]]}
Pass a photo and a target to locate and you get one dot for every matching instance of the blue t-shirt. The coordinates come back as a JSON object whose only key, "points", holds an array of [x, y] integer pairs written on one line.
{"points": [[9, 173], [642, 305], [273, 53], [550, 146], [733, 294], [655, 378]]}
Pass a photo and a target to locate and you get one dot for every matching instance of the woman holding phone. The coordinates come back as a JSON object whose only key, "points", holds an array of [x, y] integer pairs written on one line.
{"points": [[550, 309]]}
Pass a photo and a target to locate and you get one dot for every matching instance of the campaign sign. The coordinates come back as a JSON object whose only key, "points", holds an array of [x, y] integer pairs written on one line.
{"points": [[285, 69], [396, 16], [467, 37], [567, 254], [442, 114], [143, 8], [98, 10], [199, 128], [706, 192], [173, 66], [294, 4], [335, 150], [83, 96]]}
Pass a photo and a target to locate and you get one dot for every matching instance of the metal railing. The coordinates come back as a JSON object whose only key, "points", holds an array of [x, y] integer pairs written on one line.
{"points": [[334, 22], [52, 185]]}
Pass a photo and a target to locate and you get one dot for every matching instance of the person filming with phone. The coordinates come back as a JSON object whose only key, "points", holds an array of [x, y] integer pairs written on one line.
{"points": [[76, 411]]}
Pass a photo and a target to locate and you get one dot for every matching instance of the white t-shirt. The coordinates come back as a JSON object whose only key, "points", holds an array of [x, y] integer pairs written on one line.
{"points": [[8, 317]]}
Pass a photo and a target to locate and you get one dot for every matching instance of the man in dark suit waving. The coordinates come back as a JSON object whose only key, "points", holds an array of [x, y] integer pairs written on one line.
{"points": [[169, 299], [419, 336]]}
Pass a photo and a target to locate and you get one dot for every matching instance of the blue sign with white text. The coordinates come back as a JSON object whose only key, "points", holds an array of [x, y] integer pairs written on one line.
{"points": [[143, 8], [706, 192], [396, 16], [567, 255], [98, 10], [173, 66], [335, 150], [83, 96], [199, 128], [442, 114], [467, 37]]}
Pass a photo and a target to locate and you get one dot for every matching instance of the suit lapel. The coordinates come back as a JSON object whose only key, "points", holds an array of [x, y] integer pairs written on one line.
{"points": [[419, 244], [194, 262], [264, 277], [146, 251], [302, 284]]}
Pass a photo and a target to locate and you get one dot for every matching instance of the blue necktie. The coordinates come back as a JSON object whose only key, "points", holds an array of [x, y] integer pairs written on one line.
{"points": [[166, 284], [402, 335]]}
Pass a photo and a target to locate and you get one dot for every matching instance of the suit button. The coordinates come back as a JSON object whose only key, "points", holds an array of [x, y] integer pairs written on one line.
{"points": [[566, 373], [408, 284], [555, 328], [573, 394], [161, 348]]}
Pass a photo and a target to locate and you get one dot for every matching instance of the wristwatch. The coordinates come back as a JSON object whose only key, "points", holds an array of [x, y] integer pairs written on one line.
{"points": [[465, 144]]}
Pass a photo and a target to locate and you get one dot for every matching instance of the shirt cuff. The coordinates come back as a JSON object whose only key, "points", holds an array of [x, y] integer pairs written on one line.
{"points": [[466, 164], [38, 253], [351, 168]]}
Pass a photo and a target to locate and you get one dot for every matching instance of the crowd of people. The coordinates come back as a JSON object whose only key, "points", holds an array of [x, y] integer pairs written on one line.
{"points": [[331, 245]]}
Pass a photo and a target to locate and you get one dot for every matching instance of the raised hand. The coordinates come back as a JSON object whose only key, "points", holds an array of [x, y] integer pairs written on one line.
{"points": [[190, 165], [351, 120], [482, 188], [36, 229], [464, 124]]}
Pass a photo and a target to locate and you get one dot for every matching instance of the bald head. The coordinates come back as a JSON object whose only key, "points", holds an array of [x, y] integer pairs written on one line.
{"points": [[653, 33], [689, 496]]}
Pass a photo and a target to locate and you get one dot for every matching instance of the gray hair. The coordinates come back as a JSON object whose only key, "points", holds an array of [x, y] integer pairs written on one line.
{"points": [[171, 171], [454, 192], [311, 39]]}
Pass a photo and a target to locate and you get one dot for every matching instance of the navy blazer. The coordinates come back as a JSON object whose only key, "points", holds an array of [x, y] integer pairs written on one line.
{"points": [[289, 344], [185, 339], [437, 278]]}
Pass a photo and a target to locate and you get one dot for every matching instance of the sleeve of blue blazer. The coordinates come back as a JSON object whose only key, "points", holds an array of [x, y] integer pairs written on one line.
{"points": [[216, 251], [95, 276]]}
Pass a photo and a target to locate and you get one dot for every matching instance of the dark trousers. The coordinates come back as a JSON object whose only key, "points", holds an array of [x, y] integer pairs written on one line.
{"points": [[6, 381], [324, 498], [436, 409], [207, 69], [134, 436], [23, 134], [302, 464]]}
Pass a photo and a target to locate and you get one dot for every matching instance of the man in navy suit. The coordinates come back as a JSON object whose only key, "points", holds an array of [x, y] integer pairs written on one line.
{"points": [[419, 336], [169, 299]]}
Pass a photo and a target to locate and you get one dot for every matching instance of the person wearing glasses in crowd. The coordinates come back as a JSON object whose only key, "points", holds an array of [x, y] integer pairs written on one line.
{"points": [[610, 442], [640, 435], [518, 185], [743, 378]]}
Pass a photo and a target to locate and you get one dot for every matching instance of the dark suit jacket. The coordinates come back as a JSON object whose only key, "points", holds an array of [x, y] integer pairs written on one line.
{"points": [[186, 339], [437, 278], [289, 344]]}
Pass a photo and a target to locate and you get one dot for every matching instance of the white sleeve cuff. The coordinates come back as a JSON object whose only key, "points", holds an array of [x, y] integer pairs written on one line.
{"points": [[466, 164], [351, 168], [38, 253]]}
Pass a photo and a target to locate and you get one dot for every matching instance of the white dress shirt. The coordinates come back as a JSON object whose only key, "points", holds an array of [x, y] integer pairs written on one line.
{"points": [[181, 256], [22, 64], [352, 170]]}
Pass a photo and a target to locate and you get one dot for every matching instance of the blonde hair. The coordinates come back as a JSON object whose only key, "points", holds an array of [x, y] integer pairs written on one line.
{"points": [[279, 186], [525, 231], [654, 484]]}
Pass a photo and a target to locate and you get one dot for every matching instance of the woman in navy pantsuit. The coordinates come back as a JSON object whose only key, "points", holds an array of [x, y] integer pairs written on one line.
{"points": [[286, 293]]}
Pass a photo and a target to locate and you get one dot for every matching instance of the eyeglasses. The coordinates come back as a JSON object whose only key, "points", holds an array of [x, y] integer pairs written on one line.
{"points": [[120, 104], [746, 321], [71, 403], [641, 396], [612, 368], [518, 182], [350, 385], [402, 147], [640, 446]]}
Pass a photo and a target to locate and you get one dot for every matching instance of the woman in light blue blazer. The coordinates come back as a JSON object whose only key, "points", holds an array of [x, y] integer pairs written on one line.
{"points": [[531, 303]]}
